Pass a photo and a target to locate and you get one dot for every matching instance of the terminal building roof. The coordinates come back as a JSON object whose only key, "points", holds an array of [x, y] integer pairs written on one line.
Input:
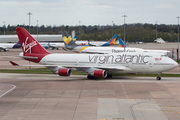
{"points": [[40, 38]]}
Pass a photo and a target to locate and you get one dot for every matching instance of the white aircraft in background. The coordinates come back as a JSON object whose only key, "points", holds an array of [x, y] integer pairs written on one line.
{"points": [[112, 41], [7, 46], [51, 45], [48, 45], [96, 65], [166, 52], [71, 45]]}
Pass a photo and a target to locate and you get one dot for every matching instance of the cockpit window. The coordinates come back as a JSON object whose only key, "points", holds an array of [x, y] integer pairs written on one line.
{"points": [[163, 55]]}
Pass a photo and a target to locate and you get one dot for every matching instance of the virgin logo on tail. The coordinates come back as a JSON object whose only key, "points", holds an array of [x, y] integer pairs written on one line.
{"points": [[27, 47]]}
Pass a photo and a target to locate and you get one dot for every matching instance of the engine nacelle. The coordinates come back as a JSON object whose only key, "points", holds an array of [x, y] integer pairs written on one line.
{"points": [[100, 74], [64, 72]]}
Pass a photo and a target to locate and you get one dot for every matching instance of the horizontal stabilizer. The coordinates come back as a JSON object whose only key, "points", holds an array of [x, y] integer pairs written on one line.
{"points": [[29, 57], [13, 63]]}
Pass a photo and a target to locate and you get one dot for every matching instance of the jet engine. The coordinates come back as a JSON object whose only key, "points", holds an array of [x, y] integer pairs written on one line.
{"points": [[99, 74], [64, 72]]}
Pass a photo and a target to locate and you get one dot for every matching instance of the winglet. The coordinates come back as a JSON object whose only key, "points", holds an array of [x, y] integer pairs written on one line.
{"points": [[13, 63]]}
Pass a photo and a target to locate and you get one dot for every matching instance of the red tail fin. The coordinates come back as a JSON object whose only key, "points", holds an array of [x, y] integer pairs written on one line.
{"points": [[28, 43]]}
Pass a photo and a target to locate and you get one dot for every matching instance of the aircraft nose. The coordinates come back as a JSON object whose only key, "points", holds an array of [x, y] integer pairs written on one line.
{"points": [[176, 64], [172, 64]]}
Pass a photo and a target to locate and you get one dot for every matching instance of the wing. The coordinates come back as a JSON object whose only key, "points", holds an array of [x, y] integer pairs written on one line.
{"points": [[83, 68], [86, 68]]}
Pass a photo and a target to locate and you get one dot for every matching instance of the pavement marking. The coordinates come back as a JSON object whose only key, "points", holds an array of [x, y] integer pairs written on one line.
{"points": [[132, 112], [129, 109], [8, 90], [124, 90], [168, 106], [171, 111]]}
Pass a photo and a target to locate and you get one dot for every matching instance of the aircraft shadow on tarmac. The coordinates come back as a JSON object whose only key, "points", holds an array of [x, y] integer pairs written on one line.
{"points": [[83, 78]]}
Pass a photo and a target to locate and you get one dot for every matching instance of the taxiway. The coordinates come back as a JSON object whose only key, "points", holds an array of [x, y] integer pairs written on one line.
{"points": [[50, 97]]}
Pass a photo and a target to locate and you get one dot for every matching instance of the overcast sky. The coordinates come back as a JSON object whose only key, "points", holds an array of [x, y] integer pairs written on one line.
{"points": [[89, 12]]}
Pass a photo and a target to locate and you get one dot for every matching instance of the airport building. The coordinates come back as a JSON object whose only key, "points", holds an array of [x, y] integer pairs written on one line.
{"points": [[40, 38]]}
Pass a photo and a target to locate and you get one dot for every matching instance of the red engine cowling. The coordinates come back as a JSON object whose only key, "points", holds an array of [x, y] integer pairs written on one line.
{"points": [[64, 72], [100, 74]]}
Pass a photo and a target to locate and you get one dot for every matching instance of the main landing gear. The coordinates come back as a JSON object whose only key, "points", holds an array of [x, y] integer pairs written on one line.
{"points": [[158, 76], [91, 77]]}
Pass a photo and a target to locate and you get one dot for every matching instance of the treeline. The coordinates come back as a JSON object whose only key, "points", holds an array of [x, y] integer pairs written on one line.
{"points": [[134, 32]]}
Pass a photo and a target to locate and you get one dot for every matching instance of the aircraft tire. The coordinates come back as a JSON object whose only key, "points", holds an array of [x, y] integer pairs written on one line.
{"points": [[91, 77], [158, 78], [109, 76]]}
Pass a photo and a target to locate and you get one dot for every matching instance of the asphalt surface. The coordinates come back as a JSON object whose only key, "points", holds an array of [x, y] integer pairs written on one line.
{"points": [[51, 97]]}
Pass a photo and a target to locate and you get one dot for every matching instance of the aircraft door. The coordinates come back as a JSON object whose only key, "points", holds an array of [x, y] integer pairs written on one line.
{"points": [[76, 62], [151, 62]]}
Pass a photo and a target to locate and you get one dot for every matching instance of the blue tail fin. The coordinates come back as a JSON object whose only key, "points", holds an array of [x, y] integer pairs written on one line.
{"points": [[111, 42], [121, 43], [17, 45]]}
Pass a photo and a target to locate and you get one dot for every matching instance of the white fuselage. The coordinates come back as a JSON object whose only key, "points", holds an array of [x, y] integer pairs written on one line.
{"points": [[47, 45], [102, 50], [95, 43], [126, 62], [61, 45], [7, 45]]}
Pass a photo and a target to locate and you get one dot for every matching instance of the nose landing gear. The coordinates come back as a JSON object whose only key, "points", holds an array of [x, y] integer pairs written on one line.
{"points": [[158, 76]]}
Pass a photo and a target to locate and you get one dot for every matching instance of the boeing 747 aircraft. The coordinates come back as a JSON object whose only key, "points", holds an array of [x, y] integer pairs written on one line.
{"points": [[96, 65], [7, 46]]}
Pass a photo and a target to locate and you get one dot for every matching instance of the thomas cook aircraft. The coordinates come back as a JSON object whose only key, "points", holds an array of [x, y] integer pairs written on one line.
{"points": [[96, 65], [70, 45], [166, 52]]}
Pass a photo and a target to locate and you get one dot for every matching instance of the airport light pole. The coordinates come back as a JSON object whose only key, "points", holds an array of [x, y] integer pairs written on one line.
{"points": [[29, 19], [79, 31], [124, 31], [4, 27], [112, 27], [178, 40], [156, 30]]}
